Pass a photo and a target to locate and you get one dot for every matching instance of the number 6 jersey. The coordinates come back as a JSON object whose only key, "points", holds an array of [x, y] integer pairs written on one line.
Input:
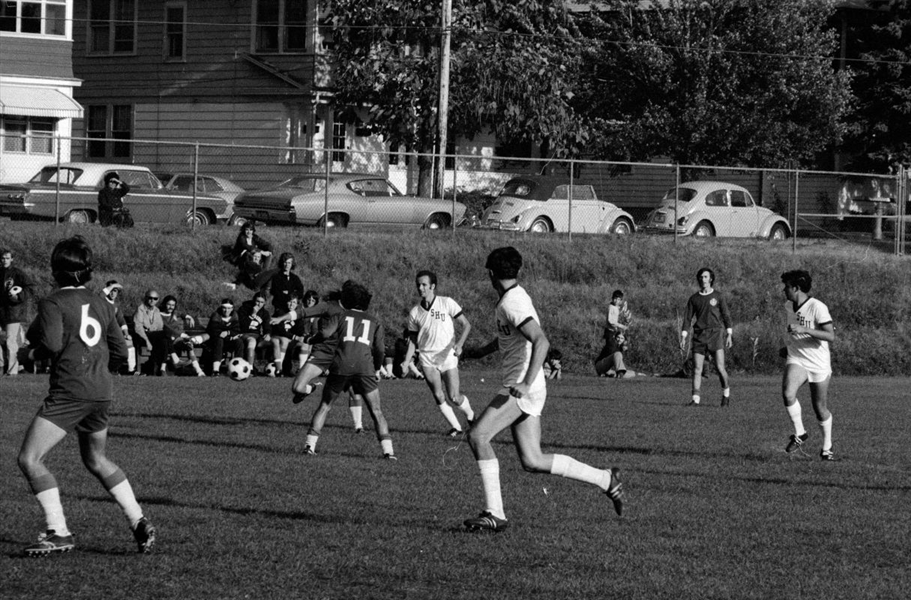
{"points": [[77, 330]]}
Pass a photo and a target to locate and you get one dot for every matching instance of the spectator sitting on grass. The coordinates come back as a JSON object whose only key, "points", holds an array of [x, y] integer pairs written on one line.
{"points": [[553, 367], [175, 326]]}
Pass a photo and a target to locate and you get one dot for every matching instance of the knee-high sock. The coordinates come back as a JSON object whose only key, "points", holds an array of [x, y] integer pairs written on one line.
{"points": [[465, 407], [119, 488], [449, 414], [490, 479], [566, 466], [48, 496], [795, 413], [826, 427], [357, 415]]}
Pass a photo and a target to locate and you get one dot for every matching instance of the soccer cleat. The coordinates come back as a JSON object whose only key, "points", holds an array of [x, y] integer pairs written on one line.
{"points": [[308, 450], [827, 455], [144, 534], [615, 491], [725, 400], [693, 403], [358, 430], [298, 398], [454, 433], [388, 456], [795, 442], [49, 543], [486, 521]]}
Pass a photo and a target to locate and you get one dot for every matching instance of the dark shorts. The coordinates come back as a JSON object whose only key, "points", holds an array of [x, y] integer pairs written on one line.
{"points": [[708, 341], [359, 384], [321, 357], [76, 415]]}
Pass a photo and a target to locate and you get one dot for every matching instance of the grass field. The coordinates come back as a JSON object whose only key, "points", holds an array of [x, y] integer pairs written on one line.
{"points": [[716, 509]]}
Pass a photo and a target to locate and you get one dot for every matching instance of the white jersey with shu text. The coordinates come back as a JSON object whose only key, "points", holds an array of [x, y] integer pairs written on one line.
{"points": [[514, 310], [811, 353], [435, 327]]}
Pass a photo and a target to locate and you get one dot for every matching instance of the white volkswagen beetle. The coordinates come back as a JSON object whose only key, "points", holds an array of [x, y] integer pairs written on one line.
{"points": [[715, 208]]}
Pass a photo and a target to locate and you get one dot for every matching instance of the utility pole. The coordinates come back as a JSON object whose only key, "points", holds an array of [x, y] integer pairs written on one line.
{"points": [[443, 108]]}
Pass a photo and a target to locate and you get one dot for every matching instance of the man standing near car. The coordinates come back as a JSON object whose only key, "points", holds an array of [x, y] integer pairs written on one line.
{"points": [[15, 289], [110, 200]]}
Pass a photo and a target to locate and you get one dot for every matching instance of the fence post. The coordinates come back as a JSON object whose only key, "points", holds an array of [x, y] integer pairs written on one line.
{"points": [[796, 212], [327, 157], [455, 187], [676, 198], [195, 181], [569, 196], [57, 187]]}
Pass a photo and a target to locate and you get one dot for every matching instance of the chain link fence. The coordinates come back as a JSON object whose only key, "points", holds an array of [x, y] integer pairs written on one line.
{"points": [[202, 184]]}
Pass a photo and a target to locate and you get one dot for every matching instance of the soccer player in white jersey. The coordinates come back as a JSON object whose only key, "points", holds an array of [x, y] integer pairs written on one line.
{"points": [[431, 328], [519, 402], [809, 333]]}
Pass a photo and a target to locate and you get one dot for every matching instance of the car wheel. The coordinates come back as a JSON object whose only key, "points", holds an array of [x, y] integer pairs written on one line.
{"points": [[236, 221], [540, 225], [704, 229], [622, 226], [436, 222], [78, 217], [334, 220], [779, 232], [199, 219]]}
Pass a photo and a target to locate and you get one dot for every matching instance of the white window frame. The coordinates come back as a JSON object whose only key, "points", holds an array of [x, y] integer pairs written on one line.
{"points": [[112, 28], [30, 135], [67, 19]]}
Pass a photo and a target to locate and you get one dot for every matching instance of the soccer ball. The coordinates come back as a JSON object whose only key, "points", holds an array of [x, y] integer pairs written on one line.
{"points": [[239, 369], [271, 370]]}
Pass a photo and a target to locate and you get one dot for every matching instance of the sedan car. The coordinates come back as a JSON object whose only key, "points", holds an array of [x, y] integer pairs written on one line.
{"points": [[347, 199], [541, 204], [714, 208], [209, 185], [78, 183]]}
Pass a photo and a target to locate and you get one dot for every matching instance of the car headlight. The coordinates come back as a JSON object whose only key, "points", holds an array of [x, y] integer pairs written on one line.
{"points": [[681, 222]]}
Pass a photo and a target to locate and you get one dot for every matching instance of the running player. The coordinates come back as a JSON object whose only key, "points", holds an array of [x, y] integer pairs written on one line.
{"points": [[707, 313], [359, 353], [809, 333], [77, 330], [519, 402], [431, 329]]}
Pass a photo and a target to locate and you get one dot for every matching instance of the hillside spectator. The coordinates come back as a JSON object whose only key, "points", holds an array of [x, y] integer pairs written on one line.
{"points": [[178, 340], [16, 290], [222, 329], [254, 327], [252, 255], [553, 366], [110, 202], [610, 361], [148, 331], [619, 316], [112, 291], [283, 283]]}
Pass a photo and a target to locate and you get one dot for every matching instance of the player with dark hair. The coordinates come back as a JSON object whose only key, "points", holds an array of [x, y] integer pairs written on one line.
{"points": [[76, 329], [431, 330], [707, 313], [809, 333], [519, 402], [359, 353]]}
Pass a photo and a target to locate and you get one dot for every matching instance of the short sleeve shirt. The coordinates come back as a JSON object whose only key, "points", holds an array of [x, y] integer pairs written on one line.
{"points": [[514, 309], [812, 353], [435, 326]]}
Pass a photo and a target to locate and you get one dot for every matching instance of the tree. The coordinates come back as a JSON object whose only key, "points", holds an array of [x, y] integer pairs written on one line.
{"points": [[879, 135], [748, 82], [513, 70]]}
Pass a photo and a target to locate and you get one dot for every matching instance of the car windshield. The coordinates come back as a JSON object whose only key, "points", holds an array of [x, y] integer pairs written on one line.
{"points": [[65, 175], [518, 188], [304, 184], [686, 194]]}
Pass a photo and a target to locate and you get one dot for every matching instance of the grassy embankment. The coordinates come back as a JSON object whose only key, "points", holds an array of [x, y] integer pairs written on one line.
{"points": [[571, 282]]}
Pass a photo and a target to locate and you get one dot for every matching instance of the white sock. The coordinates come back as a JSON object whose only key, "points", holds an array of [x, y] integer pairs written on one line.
{"points": [[53, 510], [566, 466], [465, 407], [311, 440], [726, 392], [450, 416], [696, 398], [795, 412], [490, 479], [357, 413], [131, 358], [197, 368], [826, 427], [123, 495], [280, 360], [386, 445]]}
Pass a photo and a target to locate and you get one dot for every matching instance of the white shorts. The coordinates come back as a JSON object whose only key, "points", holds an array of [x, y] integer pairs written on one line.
{"points": [[813, 375], [440, 362], [531, 403]]}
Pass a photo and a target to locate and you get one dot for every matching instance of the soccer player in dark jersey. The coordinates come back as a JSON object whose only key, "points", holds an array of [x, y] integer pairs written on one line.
{"points": [[708, 314], [77, 330], [359, 353]]}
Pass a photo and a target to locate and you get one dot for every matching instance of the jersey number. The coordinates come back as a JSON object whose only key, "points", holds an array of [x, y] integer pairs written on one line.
{"points": [[89, 327], [349, 332]]}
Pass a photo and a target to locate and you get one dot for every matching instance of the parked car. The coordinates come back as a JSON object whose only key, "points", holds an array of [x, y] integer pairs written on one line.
{"points": [[79, 182], [352, 200], [541, 204], [715, 208], [209, 185]]}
